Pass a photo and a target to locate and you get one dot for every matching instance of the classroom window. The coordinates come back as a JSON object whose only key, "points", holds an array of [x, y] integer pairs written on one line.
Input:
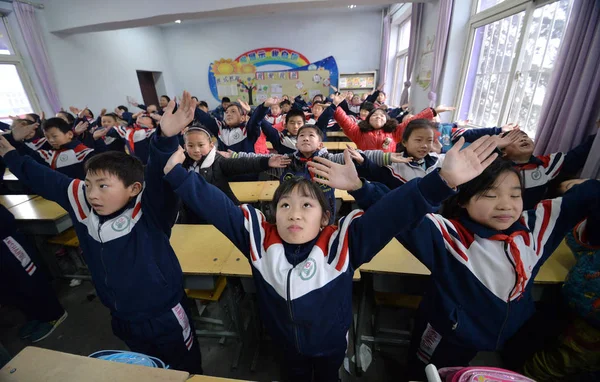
{"points": [[510, 63], [401, 61], [15, 91], [482, 5]]}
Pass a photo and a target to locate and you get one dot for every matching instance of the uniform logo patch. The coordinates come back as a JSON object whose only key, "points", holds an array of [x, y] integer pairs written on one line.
{"points": [[121, 223], [63, 158], [308, 270], [536, 175]]}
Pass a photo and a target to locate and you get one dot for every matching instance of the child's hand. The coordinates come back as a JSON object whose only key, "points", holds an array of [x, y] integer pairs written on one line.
{"points": [[568, 184], [226, 154], [380, 87], [81, 127], [119, 112], [508, 139], [172, 123], [132, 101], [155, 116], [103, 112], [399, 158], [20, 131], [510, 127], [101, 132], [177, 158], [74, 110], [245, 105], [338, 98], [279, 161], [336, 175], [42, 116], [460, 166], [5, 146], [355, 155], [271, 101], [436, 146], [442, 108], [335, 90]]}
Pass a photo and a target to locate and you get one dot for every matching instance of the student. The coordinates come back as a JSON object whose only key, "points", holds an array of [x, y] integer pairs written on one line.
{"points": [[67, 156], [309, 146], [274, 117], [417, 146], [201, 157], [219, 112], [65, 116], [25, 286], [378, 131], [284, 142], [485, 251], [285, 106], [36, 140], [163, 102], [302, 266], [110, 121], [234, 133], [123, 220], [136, 137], [202, 105], [538, 171]]}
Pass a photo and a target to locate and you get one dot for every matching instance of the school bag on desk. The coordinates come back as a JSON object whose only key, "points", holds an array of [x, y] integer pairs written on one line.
{"points": [[473, 374]]}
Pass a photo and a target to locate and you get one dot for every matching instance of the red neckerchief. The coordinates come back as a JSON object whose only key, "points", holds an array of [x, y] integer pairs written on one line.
{"points": [[130, 139], [305, 161], [514, 250]]}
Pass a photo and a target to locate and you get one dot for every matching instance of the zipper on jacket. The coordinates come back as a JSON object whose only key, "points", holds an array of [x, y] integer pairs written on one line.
{"points": [[289, 302], [509, 294], [104, 265]]}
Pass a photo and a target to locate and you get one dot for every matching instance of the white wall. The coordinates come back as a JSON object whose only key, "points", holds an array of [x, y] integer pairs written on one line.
{"points": [[191, 48], [99, 69]]}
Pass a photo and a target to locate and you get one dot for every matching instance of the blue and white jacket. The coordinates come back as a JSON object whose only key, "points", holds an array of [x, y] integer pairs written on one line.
{"points": [[395, 175], [481, 279], [134, 269], [136, 139], [238, 139], [304, 291]]}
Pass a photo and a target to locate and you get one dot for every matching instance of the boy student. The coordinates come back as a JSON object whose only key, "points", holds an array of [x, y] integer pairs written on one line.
{"points": [[219, 112], [537, 171], [284, 142], [123, 219], [67, 156], [285, 106], [25, 286]]}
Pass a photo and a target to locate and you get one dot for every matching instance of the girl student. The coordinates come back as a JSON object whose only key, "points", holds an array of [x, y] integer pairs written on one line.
{"points": [[203, 158], [378, 131], [483, 253], [302, 266], [418, 143]]}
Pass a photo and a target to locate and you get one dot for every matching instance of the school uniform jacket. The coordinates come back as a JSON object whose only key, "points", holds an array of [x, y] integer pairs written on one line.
{"points": [[374, 140], [283, 142], [10, 242], [134, 269], [396, 174], [217, 170], [481, 280], [304, 291], [540, 170], [136, 138]]}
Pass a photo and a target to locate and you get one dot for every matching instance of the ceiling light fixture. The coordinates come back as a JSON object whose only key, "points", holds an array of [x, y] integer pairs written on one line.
{"points": [[352, 6], [177, 21]]}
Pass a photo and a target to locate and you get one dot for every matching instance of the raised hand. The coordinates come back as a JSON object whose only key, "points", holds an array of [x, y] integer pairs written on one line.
{"points": [[338, 98], [336, 175], [442, 108], [5, 146], [460, 166], [103, 112], [74, 110], [355, 155], [132, 101], [436, 146], [503, 141], [119, 112], [20, 130], [157, 117], [42, 116], [172, 123], [245, 105], [399, 158], [271, 101], [177, 158], [101, 132], [510, 127], [81, 127], [380, 87], [279, 161], [335, 90]]}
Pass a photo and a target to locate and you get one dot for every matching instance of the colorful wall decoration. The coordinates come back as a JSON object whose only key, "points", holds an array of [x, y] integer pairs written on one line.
{"points": [[287, 72]]}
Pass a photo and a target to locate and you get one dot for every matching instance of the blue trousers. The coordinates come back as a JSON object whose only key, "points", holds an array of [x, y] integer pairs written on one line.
{"points": [[301, 368]]}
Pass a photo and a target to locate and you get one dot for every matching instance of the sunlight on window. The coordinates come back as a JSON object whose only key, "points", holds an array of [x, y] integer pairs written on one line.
{"points": [[13, 99]]}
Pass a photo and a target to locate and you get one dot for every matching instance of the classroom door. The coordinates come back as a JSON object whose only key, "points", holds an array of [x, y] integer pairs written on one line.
{"points": [[148, 88]]}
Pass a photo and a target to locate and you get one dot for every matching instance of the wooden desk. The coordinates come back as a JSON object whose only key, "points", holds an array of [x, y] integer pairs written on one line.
{"points": [[34, 364], [344, 195], [247, 192], [268, 190], [39, 216], [343, 145], [330, 146], [336, 134], [10, 201], [207, 378], [395, 259]]}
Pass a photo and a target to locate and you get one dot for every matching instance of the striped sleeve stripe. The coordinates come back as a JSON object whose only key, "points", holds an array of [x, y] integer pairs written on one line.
{"points": [[396, 175], [451, 242], [77, 199], [342, 254], [31, 268], [457, 134], [254, 229], [546, 214], [556, 163]]}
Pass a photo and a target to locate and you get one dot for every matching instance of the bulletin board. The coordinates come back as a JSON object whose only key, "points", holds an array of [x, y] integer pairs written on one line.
{"points": [[241, 77]]}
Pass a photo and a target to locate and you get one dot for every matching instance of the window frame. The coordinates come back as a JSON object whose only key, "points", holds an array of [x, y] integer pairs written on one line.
{"points": [[398, 56], [489, 16], [17, 60]]}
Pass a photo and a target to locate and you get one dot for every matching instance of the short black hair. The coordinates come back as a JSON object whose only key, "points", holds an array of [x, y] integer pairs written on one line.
{"points": [[152, 119], [58, 123], [369, 106], [91, 113], [294, 113], [166, 96], [452, 207], [225, 99], [417, 124], [35, 117], [112, 115], [67, 115], [196, 98], [203, 103], [305, 187], [390, 123], [124, 108], [314, 127], [126, 167], [239, 107], [285, 102]]}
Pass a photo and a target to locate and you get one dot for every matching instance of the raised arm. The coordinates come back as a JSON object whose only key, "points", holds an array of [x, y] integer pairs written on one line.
{"points": [[348, 125], [253, 125], [576, 158], [207, 120]]}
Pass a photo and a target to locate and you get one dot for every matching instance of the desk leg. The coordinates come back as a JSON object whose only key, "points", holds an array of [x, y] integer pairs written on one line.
{"points": [[360, 319], [233, 300]]}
